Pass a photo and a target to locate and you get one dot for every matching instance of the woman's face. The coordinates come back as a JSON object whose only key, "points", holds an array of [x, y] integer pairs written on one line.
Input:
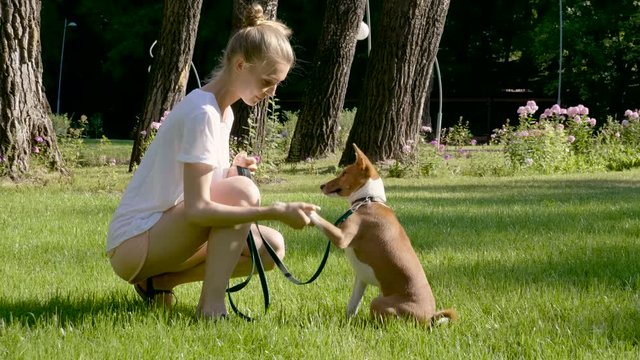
{"points": [[260, 81]]}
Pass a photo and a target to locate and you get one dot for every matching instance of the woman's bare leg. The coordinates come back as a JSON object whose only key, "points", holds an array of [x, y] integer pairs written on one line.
{"points": [[181, 252], [194, 268]]}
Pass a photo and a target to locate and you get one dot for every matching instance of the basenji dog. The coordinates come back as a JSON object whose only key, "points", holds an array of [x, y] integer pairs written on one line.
{"points": [[378, 248]]}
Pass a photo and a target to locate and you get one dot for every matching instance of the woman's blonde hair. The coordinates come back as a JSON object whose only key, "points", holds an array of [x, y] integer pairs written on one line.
{"points": [[259, 41]]}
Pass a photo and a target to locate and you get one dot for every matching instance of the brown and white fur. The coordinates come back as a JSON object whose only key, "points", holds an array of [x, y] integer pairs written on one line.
{"points": [[379, 249]]}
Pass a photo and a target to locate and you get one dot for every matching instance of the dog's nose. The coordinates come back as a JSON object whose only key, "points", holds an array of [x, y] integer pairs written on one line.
{"points": [[322, 187]]}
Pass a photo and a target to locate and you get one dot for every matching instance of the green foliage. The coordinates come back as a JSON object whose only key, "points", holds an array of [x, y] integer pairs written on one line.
{"points": [[540, 146], [72, 144], [94, 126], [563, 140], [345, 122], [458, 136], [61, 124]]}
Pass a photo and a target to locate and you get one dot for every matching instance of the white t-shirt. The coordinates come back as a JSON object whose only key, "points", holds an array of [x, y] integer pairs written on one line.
{"points": [[193, 132]]}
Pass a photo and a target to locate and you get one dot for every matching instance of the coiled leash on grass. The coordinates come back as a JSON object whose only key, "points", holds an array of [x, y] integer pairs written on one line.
{"points": [[256, 263]]}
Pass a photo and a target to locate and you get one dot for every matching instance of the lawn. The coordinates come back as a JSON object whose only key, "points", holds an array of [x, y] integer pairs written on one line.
{"points": [[538, 267]]}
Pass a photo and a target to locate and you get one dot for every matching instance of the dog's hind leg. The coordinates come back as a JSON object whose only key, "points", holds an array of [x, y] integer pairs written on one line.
{"points": [[356, 297]]}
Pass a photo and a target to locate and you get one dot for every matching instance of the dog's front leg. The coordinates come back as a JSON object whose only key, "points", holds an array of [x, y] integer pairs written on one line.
{"points": [[359, 287], [341, 238]]}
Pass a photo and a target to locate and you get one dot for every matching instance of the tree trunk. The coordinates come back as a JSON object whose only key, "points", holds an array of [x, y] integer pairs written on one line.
{"points": [[391, 105], [241, 111], [24, 109], [317, 129], [170, 67]]}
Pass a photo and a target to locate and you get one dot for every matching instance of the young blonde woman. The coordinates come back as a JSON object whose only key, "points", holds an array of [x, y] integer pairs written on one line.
{"points": [[186, 213]]}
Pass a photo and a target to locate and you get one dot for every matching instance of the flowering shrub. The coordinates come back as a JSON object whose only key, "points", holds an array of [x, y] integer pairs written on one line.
{"points": [[71, 144], [458, 135], [536, 145], [564, 139]]}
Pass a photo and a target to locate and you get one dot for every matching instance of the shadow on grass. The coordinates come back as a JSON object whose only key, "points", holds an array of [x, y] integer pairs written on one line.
{"points": [[64, 310]]}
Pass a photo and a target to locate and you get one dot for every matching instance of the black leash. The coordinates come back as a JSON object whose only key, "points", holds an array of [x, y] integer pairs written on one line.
{"points": [[257, 264]]}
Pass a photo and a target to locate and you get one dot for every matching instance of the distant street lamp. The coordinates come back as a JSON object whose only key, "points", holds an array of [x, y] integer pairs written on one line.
{"points": [[64, 34], [560, 59]]}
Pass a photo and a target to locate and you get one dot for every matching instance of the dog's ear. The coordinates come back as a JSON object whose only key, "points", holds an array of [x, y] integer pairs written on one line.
{"points": [[361, 158]]}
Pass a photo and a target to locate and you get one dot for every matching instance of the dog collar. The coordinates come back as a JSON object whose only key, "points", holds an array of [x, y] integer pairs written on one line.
{"points": [[355, 206]]}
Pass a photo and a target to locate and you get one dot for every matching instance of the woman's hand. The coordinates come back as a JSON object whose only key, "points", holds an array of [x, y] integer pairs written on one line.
{"points": [[243, 160], [294, 214]]}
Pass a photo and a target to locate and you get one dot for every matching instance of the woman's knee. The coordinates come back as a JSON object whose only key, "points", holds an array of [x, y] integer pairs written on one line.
{"points": [[238, 190], [276, 240]]}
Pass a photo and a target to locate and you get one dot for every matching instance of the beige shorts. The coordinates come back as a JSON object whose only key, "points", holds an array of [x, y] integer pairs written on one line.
{"points": [[128, 258]]}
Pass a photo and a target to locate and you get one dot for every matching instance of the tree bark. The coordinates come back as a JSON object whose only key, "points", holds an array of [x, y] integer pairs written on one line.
{"points": [[316, 133], [170, 67], [401, 63], [241, 111], [24, 109]]}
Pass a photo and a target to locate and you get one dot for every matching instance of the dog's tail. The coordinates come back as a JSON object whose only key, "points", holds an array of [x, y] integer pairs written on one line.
{"points": [[444, 317]]}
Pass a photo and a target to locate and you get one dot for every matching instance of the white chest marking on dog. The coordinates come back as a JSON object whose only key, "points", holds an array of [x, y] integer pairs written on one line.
{"points": [[363, 271], [373, 188]]}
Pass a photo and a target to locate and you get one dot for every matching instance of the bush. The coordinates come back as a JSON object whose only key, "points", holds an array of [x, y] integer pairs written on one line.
{"points": [[61, 124]]}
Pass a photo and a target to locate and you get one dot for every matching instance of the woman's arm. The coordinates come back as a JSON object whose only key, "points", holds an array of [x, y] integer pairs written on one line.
{"points": [[201, 210]]}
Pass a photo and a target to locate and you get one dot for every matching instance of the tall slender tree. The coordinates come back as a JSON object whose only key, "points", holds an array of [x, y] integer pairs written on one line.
{"points": [[397, 77], [317, 128], [24, 109], [241, 111], [170, 67]]}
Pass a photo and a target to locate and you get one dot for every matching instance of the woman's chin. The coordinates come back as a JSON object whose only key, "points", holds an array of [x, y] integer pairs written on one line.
{"points": [[251, 101]]}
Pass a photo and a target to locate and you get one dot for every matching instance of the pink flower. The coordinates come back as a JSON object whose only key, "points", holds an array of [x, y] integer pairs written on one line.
{"points": [[474, 142], [527, 110], [577, 110], [571, 139], [583, 110], [577, 119], [425, 129], [625, 123], [143, 132], [523, 133], [591, 121], [617, 134], [560, 127], [2, 159], [441, 147], [112, 162], [155, 125], [39, 139], [35, 150], [406, 149], [528, 161], [447, 157], [434, 143], [164, 115], [628, 113]]}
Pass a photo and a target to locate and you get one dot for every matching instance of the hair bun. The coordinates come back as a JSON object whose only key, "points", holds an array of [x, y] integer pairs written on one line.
{"points": [[254, 15]]}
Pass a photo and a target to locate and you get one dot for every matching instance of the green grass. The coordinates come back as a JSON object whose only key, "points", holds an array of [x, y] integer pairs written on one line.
{"points": [[541, 267], [96, 153]]}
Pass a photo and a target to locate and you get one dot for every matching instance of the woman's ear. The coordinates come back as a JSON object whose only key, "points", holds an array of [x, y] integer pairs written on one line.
{"points": [[239, 64]]}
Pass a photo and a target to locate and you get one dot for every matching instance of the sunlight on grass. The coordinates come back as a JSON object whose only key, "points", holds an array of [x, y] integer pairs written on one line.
{"points": [[537, 267]]}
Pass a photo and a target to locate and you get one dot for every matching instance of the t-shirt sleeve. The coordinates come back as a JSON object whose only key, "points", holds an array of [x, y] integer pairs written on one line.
{"points": [[199, 140]]}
